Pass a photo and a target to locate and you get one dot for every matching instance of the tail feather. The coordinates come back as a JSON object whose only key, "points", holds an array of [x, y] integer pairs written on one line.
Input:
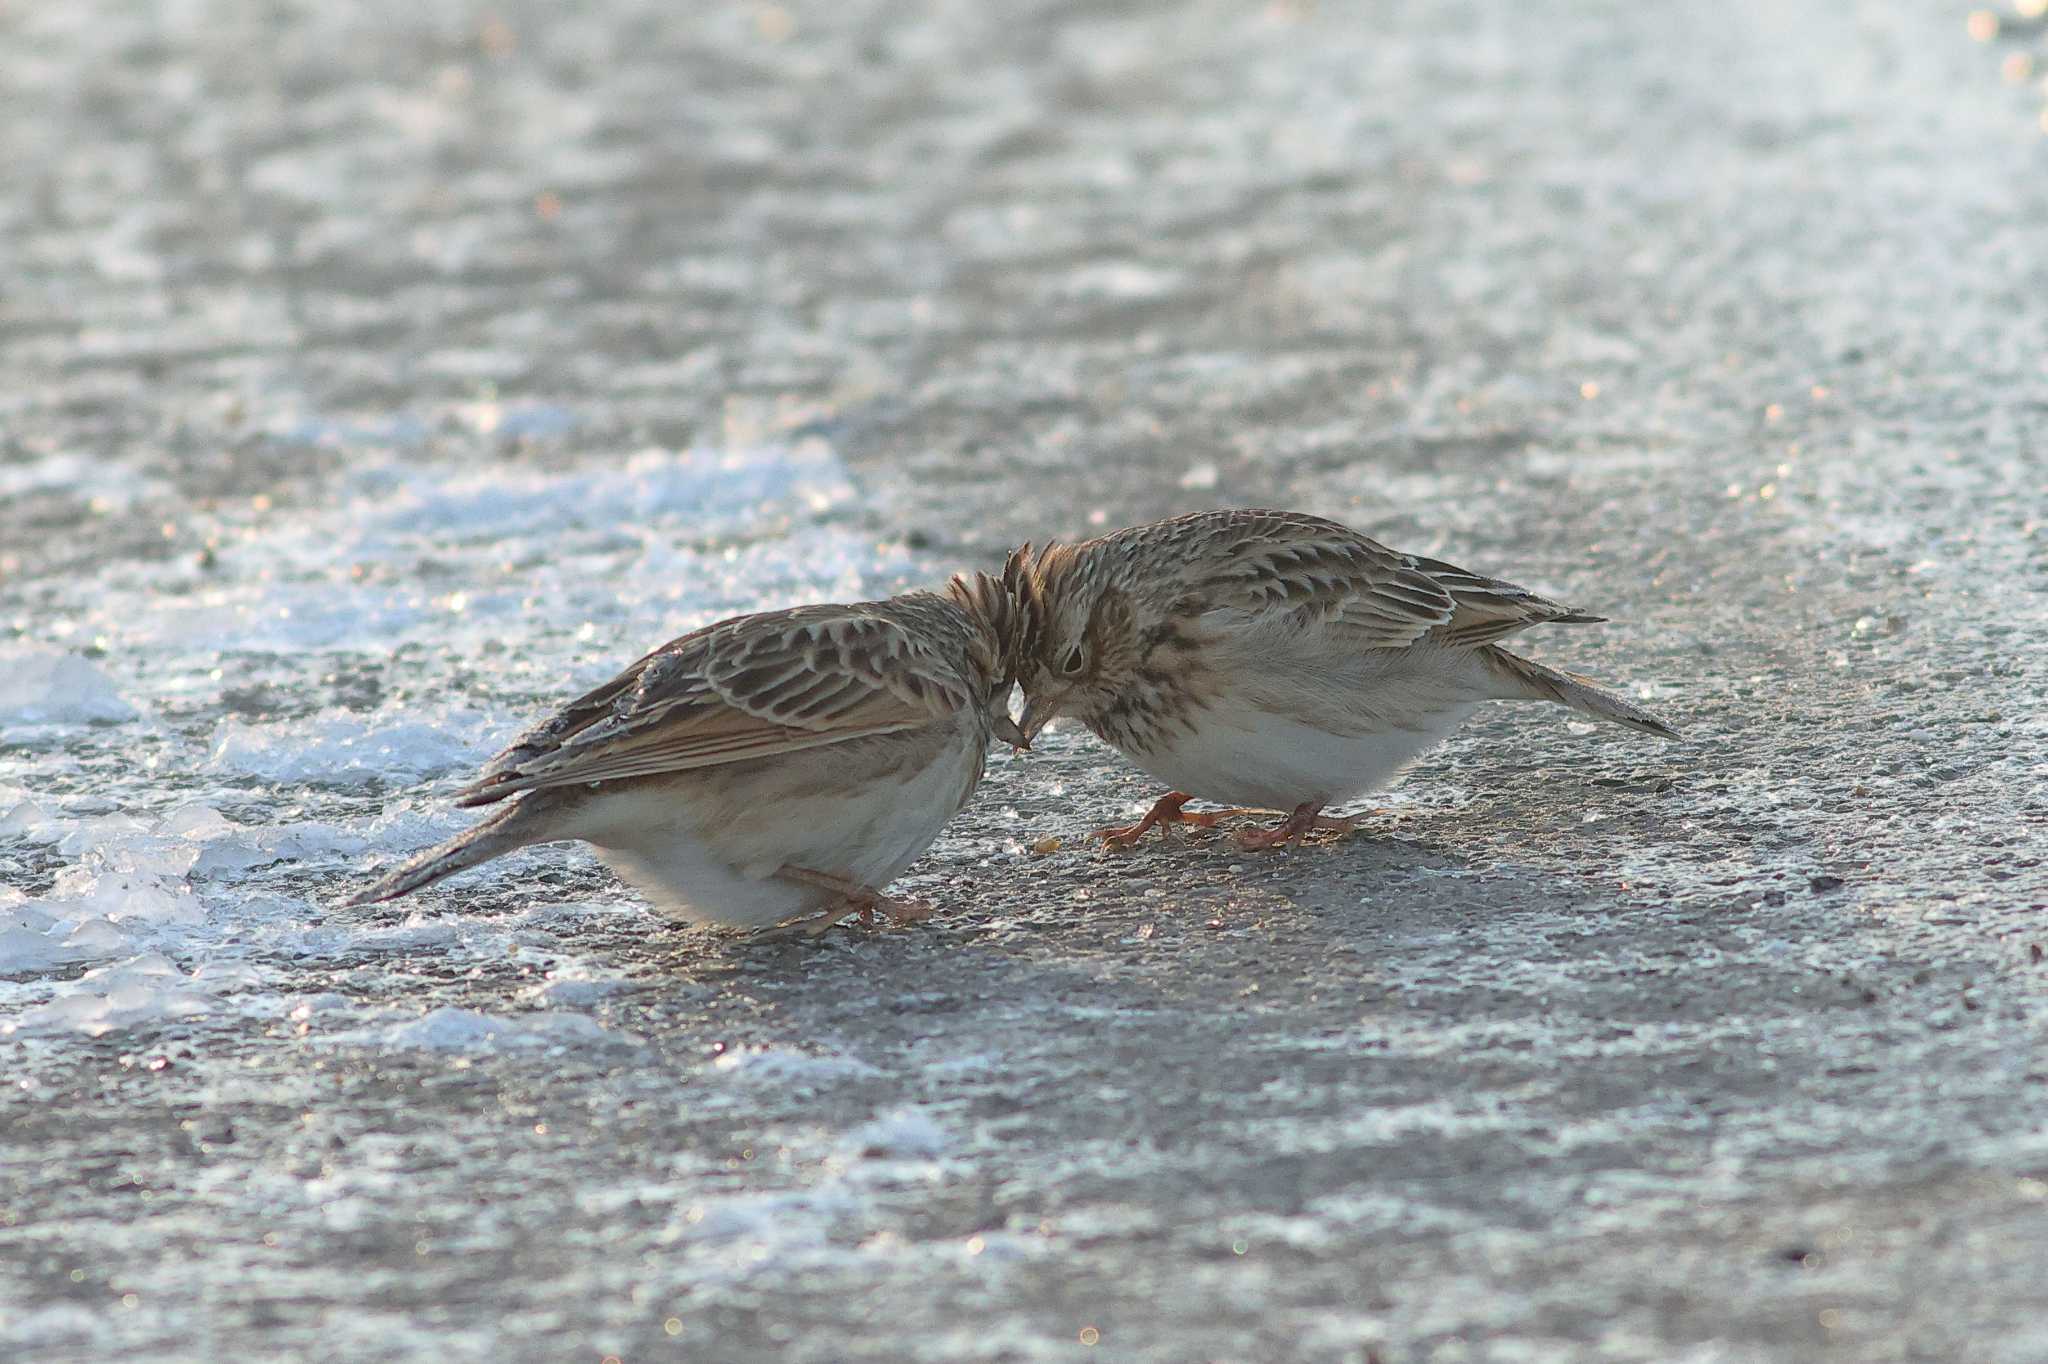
{"points": [[1522, 680], [519, 823]]}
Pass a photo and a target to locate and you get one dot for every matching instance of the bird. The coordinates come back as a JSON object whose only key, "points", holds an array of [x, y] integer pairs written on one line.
{"points": [[765, 767], [1273, 659]]}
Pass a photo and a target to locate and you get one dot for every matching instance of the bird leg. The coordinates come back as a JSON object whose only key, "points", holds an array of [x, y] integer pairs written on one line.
{"points": [[1167, 810], [1307, 817], [855, 898]]}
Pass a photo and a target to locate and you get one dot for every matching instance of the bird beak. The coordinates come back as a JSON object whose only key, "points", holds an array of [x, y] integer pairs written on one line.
{"points": [[1006, 729], [1038, 713]]}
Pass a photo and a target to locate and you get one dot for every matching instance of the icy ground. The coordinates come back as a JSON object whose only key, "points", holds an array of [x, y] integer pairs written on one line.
{"points": [[373, 376], [238, 701], [200, 890]]}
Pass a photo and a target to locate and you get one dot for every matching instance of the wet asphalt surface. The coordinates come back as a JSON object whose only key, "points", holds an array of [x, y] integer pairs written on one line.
{"points": [[1720, 321]]}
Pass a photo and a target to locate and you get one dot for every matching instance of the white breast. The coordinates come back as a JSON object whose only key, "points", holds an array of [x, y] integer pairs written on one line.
{"points": [[705, 846], [1301, 722], [1243, 756]]}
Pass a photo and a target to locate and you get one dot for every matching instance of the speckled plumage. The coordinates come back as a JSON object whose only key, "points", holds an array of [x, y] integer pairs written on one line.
{"points": [[1274, 658], [765, 766]]}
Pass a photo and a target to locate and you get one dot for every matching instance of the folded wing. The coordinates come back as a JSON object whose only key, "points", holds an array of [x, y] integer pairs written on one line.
{"points": [[751, 687], [1321, 575]]}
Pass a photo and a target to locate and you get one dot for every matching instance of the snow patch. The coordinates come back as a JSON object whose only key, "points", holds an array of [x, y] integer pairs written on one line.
{"points": [[130, 885], [783, 1066], [41, 687], [143, 990], [581, 993], [341, 749], [109, 486], [469, 1032], [655, 485], [392, 632], [905, 1134]]}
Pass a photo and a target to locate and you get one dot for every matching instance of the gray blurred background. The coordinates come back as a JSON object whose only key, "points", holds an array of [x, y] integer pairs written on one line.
{"points": [[1721, 320]]}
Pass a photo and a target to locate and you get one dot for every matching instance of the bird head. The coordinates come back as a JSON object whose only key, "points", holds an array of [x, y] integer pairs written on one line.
{"points": [[1081, 650]]}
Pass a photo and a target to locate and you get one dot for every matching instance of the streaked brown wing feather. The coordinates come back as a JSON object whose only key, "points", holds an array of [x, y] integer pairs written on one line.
{"points": [[1320, 574], [747, 688], [1491, 608], [660, 750], [834, 666]]}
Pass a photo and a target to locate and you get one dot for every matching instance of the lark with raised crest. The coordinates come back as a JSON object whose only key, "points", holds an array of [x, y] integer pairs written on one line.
{"points": [[767, 767], [1274, 659]]}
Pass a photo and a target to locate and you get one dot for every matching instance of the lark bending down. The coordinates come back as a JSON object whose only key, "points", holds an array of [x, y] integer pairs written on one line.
{"points": [[1273, 659], [764, 767]]}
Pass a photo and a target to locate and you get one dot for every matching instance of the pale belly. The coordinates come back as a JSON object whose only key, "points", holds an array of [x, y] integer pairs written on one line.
{"points": [[1256, 757], [709, 852]]}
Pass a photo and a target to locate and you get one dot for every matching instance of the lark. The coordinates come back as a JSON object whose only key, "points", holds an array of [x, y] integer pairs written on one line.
{"points": [[766, 767], [1274, 659]]}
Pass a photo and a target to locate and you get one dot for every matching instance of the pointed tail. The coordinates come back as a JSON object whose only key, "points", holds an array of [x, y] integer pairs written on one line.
{"points": [[1521, 680], [521, 822]]}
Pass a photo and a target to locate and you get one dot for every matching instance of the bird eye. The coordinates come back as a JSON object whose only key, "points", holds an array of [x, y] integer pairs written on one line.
{"points": [[1071, 664]]}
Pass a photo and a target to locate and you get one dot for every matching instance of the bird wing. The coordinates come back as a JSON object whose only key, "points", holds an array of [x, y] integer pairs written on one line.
{"points": [[1487, 609], [745, 688], [1317, 574]]}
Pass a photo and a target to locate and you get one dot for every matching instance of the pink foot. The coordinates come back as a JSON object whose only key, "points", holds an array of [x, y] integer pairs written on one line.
{"points": [[1166, 810], [1307, 818]]}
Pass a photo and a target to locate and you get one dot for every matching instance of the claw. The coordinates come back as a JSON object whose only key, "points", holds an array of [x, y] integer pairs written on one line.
{"points": [[855, 898], [1306, 818], [1167, 810]]}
